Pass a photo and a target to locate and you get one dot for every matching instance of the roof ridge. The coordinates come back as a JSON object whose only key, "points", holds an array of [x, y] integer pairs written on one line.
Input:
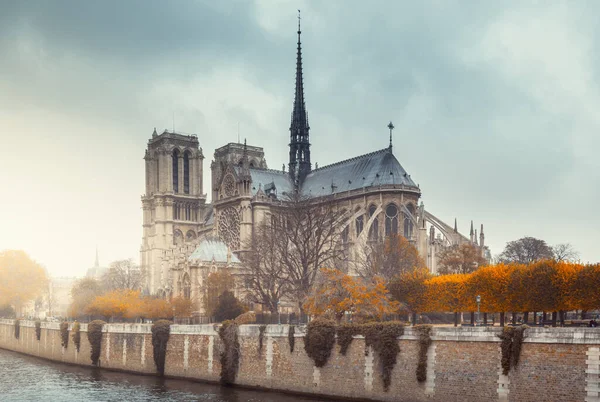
{"points": [[351, 159], [268, 170]]}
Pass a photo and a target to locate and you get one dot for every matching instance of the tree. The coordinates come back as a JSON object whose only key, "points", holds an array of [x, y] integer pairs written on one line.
{"points": [[228, 307], [83, 293], [565, 252], [215, 285], [123, 274], [526, 250], [390, 257], [182, 307], [410, 289], [21, 279], [338, 293], [265, 280], [120, 303], [309, 234], [460, 259]]}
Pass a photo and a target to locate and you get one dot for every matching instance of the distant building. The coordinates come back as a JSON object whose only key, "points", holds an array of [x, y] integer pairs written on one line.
{"points": [[96, 271]]}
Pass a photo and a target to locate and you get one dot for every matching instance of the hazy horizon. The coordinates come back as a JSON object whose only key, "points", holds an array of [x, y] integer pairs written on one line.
{"points": [[494, 107]]}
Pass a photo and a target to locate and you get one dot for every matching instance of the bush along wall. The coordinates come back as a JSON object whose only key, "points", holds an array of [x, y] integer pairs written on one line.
{"points": [[291, 337], [161, 330], [511, 345], [95, 338], [383, 338], [76, 335], [319, 340], [38, 330], [345, 335], [17, 328], [261, 335], [424, 333], [230, 352], [64, 334]]}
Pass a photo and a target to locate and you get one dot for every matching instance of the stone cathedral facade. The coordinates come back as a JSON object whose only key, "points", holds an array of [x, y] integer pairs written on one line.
{"points": [[185, 237]]}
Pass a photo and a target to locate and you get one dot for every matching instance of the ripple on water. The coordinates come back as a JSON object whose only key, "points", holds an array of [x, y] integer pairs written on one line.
{"points": [[24, 378]]}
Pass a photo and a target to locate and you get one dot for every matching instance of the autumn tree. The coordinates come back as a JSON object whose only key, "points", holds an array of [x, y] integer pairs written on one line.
{"points": [[460, 259], [228, 307], [564, 252], [526, 250], [265, 277], [120, 303], [123, 274], [21, 279], [215, 285], [390, 257], [338, 293], [83, 293], [309, 233], [410, 289], [182, 307]]}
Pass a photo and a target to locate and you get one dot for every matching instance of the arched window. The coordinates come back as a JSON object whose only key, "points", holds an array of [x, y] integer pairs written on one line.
{"points": [[374, 230], [187, 287], [359, 223], [186, 172], [177, 237], [176, 170], [408, 223], [391, 220], [190, 235]]}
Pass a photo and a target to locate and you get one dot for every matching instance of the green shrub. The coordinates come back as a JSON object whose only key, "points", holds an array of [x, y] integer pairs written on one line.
{"points": [[230, 353], [319, 340], [511, 345], [161, 330], [38, 330], [261, 334], [291, 337], [424, 332], [76, 336], [383, 337], [17, 328], [95, 338], [345, 335], [228, 307], [64, 334]]}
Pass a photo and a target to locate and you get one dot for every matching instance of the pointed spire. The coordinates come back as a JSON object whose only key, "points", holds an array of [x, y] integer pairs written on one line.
{"points": [[299, 165], [391, 127], [245, 164], [154, 133], [455, 226], [471, 233], [97, 263], [475, 237]]}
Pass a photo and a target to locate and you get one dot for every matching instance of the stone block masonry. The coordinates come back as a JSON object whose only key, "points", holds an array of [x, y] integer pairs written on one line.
{"points": [[463, 364]]}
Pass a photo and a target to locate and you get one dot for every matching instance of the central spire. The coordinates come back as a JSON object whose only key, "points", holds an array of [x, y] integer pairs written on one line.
{"points": [[299, 165]]}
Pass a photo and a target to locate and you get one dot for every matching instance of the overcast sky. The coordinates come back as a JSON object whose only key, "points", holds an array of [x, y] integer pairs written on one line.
{"points": [[496, 107]]}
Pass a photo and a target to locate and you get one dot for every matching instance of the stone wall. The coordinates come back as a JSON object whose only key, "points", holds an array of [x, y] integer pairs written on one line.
{"points": [[557, 364]]}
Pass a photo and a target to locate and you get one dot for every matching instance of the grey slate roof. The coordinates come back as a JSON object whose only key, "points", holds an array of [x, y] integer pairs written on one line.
{"points": [[210, 249], [372, 169]]}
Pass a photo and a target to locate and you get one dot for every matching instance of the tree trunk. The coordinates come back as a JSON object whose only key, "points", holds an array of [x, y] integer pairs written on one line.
{"points": [[484, 318], [414, 318], [544, 318], [554, 318], [526, 317], [561, 314], [456, 319], [583, 314], [472, 318], [502, 319], [514, 318]]}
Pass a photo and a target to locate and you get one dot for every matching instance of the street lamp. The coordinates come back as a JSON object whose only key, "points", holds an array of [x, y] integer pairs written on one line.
{"points": [[478, 299]]}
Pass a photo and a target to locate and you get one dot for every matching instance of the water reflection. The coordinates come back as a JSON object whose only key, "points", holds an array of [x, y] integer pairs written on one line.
{"points": [[24, 378]]}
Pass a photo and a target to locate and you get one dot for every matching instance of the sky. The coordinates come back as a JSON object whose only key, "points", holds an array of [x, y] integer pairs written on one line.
{"points": [[495, 106]]}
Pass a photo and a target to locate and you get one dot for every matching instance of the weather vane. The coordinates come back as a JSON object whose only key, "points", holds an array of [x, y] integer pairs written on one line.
{"points": [[391, 127]]}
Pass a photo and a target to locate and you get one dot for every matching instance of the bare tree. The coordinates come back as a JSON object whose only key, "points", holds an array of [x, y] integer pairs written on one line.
{"points": [[309, 232], [460, 259], [565, 252], [265, 280], [388, 258], [526, 250], [123, 274]]}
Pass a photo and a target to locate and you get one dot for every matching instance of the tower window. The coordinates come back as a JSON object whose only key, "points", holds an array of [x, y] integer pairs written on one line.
{"points": [[391, 220], [186, 172], [176, 171], [374, 229]]}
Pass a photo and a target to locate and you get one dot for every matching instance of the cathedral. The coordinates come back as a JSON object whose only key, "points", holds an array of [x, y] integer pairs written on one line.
{"points": [[185, 238]]}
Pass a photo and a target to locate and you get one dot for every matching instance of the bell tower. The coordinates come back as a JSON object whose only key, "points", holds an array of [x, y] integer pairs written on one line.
{"points": [[174, 202]]}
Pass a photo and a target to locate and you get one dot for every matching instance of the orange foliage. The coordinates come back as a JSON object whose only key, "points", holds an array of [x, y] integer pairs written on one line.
{"points": [[182, 307], [21, 278], [339, 293], [410, 289]]}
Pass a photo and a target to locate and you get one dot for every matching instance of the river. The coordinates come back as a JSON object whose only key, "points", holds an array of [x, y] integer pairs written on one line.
{"points": [[25, 378]]}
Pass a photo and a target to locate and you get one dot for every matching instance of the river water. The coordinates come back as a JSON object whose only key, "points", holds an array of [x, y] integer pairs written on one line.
{"points": [[25, 378]]}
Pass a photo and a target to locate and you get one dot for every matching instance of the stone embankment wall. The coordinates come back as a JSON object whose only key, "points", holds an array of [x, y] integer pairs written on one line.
{"points": [[463, 364]]}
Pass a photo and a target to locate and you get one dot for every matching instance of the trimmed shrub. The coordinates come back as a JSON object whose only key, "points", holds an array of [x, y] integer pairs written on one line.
{"points": [[76, 335], [319, 340], [424, 332], [345, 335], [511, 345], [64, 334], [291, 337], [161, 330], [261, 334], [17, 328], [230, 353], [38, 330], [249, 317], [383, 337], [95, 338]]}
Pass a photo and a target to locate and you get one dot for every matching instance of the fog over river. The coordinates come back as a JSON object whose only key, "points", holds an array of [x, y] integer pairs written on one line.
{"points": [[24, 378]]}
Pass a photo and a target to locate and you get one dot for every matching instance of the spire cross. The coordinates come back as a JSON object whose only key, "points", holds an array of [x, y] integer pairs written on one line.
{"points": [[299, 21], [391, 127]]}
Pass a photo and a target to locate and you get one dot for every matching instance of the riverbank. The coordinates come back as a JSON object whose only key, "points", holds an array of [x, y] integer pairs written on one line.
{"points": [[461, 364]]}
